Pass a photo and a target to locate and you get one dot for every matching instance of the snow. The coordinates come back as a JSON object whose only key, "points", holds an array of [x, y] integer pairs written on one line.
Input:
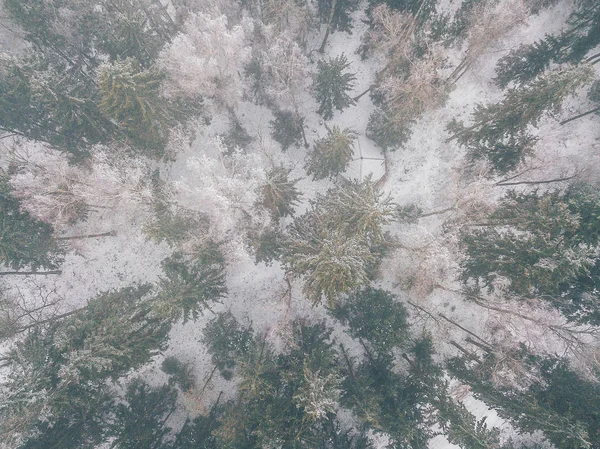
{"points": [[428, 172]]}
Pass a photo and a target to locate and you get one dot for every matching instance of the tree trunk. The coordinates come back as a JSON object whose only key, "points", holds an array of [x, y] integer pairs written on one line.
{"points": [[548, 181], [49, 320], [88, 236], [580, 115], [359, 96], [28, 273], [329, 23]]}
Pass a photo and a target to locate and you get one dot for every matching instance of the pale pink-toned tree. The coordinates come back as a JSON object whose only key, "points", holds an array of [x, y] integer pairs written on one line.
{"points": [[207, 59], [57, 192]]}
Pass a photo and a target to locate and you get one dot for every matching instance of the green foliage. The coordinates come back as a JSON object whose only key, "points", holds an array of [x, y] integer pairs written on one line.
{"points": [[279, 195], [286, 400], [335, 245], [409, 213], [140, 422], [545, 245], [171, 223], [559, 402], [130, 96], [386, 131], [331, 85], [227, 341], [286, 129], [117, 28], [421, 9], [523, 64], [356, 208], [330, 262], [190, 285], [24, 241], [374, 316], [198, 433], [503, 127], [45, 100], [57, 387], [341, 20], [179, 373], [331, 154], [267, 245]]}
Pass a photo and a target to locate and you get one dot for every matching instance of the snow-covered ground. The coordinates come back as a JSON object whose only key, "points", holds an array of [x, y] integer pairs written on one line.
{"points": [[429, 172]]}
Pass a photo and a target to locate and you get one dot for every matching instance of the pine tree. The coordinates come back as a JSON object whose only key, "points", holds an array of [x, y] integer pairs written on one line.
{"points": [[227, 342], [502, 127], [356, 208], [525, 63], [331, 154], [279, 195], [560, 403], [130, 96], [190, 285], [329, 262], [374, 316], [571, 46], [287, 129], [544, 245], [338, 243], [331, 85], [179, 373], [25, 241], [140, 421], [388, 131], [66, 364], [49, 101]]}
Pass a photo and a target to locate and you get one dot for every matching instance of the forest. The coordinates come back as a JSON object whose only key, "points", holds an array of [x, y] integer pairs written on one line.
{"points": [[299, 224]]}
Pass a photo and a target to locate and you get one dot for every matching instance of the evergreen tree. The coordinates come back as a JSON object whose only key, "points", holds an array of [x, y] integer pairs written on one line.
{"points": [[331, 154], [190, 285], [331, 85], [130, 96], [356, 208], [267, 244], [374, 316], [279, 195], [502, 127], [179, 373], [285, 400], [330, 262], [525, 63], [560, 403], [140, 421], [339, 19], [227, 341], [545, 245], [287, 128], [47, 100], [336, 245], [24, 241], [571, 46], [386, 130], [199, 433], [56, 395]]}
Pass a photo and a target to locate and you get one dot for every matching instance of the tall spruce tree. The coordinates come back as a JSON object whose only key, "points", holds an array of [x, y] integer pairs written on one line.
{"points": [[331, 154], [499, 132], [56, 395], [24, 241], [559, 403], [140, 422], [190, 285], [130, 96], [545, 245], [331, 85]]}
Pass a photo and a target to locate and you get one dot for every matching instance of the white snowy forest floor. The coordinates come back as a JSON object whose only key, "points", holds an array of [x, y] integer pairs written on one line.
{"points": [[427, 172]]}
